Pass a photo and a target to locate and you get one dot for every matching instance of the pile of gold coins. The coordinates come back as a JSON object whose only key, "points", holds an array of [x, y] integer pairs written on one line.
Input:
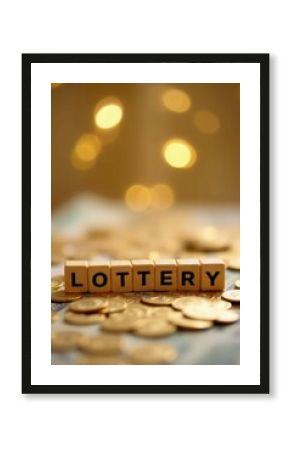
{"points": [[144, 314], [172, 235], [148, 316]]}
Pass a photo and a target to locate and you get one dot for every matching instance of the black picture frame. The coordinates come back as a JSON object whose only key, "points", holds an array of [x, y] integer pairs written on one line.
{"points": [[263, 61]]}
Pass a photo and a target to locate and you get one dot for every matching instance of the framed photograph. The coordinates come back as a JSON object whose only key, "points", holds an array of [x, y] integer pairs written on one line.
{"points": [[145, 207]]}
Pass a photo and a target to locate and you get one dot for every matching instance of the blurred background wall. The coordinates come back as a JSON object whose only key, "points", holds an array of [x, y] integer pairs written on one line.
{"points": [[148, 145]]}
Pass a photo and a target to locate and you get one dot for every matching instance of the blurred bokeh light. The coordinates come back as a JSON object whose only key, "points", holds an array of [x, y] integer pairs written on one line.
{"points": [[138, 197], [206, 121], [179, 154], [175, 142], [176, 100], [108, 113], [162, 196], [85, 152]]}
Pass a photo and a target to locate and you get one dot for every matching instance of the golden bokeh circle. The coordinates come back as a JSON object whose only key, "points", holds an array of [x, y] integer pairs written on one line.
{"points": [[179, 153], [162, 196], [138, 197], [108, 113], [207, 122], [176, 100], [85, 152]]}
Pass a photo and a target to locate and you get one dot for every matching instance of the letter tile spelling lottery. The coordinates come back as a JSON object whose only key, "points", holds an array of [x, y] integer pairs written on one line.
{"points": [[76, 276], [143, 272], [212, 274], [188, 274], [121, 275], [142, 275], [99, 276]]}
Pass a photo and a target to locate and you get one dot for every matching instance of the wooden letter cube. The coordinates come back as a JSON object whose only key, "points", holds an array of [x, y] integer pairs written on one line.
{"points": [[76, 276], [165, 275], [143, 275], [188, 274], [99, 276], [212, 274], [121, 276]]}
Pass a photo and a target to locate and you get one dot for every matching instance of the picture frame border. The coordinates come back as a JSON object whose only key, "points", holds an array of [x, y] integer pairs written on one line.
{"points": [[260, 58]]}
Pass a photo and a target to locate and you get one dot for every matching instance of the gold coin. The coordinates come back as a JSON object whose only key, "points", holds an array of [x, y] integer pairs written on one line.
{"points": [[122, 324], [114, 305], [183, 302], [180, 321], [234, 264], [132, 301], [160, 311], [158, 300], [205, 244], [158, 353], [210, 295], [56, 282], [88, 305], [61, 296], [83, 319], [155, 328], [55, 285], [237, 284], [58, 278], [128, 297], [101, 344], [102, 360], [232, 296], [199, 313], [60, 288], [228, 316], [131, 297], [135, 310], [62, 341]]}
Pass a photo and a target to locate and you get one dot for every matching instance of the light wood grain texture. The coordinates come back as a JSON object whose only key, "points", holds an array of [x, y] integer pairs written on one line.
{"points": [[143, 275], [188, 274], [99, 276], [212, 274], [121, 276], [165, 275], [76, 276]]}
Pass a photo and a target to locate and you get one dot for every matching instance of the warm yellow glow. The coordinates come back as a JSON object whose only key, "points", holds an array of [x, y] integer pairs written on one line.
{"points": [[55, 85], [85, 152], [176, 100], [179, 153], [209, 232], [80, 164], [108, 113], [88, 147], [207, 122], [138, 197], [162, 196]]}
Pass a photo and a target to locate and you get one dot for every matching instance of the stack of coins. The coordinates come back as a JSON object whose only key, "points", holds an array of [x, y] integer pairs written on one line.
{"points": [[145, 315], [95, 329]]}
